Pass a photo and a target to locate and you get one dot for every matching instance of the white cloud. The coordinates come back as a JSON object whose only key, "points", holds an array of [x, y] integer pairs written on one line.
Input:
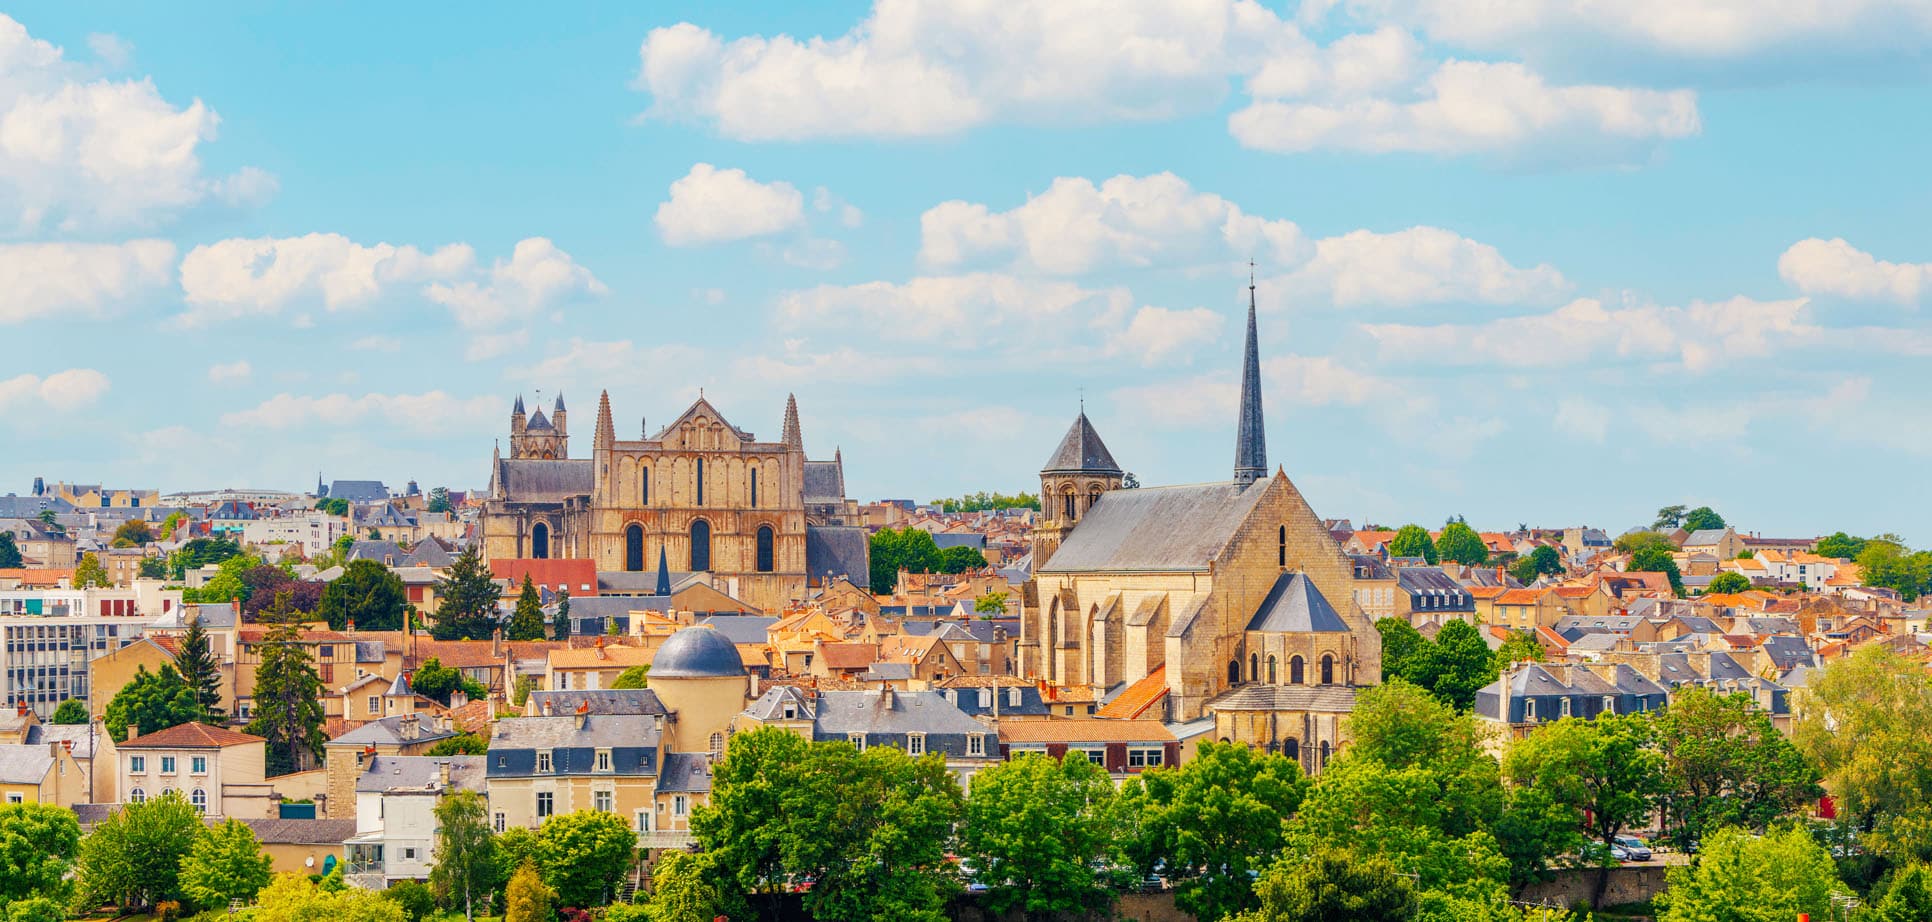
{"points": [[1470, 107], [709, 295], [1415, 266], [63, 390], [247, 276], [1838, 269], [1209, 400], [115, 52], [537, 276], [428, 411], [1582, 419], [79, 279], [1699, 337], [824, 202], [1156, 334], [588, 365], [485, 346], [814, 253], [1710, 29], [230, 371], [375, 343], [709, 205], [1075, 227], [79, 153], [798, 365]]}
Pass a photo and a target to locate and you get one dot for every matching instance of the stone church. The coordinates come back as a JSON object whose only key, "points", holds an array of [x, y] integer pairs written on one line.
{"points": [[1225, 601], [706, 495]]}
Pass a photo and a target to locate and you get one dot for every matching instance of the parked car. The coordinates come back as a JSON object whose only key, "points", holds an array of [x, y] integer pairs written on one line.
{"points": [[1634, 849]]}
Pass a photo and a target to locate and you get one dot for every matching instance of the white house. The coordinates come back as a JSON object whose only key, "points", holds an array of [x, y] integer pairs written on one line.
{"points": [[396, 798]]}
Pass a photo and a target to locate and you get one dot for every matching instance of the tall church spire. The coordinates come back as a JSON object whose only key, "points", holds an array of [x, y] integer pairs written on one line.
{"points": [[663, 573], [1250, 439], [606, 431], [791, 436]]}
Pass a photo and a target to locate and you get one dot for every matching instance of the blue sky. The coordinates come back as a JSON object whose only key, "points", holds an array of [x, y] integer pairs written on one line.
{"points": [[1564, 262]]}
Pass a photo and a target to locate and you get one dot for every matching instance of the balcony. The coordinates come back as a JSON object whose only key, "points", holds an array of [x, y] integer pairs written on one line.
{"points": [[663, 839]]}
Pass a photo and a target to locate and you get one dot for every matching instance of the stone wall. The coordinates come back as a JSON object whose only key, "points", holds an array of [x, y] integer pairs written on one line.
{"points": [[1627, 884]]}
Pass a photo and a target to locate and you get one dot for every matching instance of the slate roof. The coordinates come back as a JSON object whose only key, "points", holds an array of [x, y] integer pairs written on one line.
{"points": [[1788, 652], [974, 540], [359, 491], [632, 701], [562, 732], [421, 773], [1081, 450], [845, 712], [684, 773], [539, 481], [1295, 606], [824, 482], [1704, 537], [301, 832], [1156, 528], [770, 706], [741, 628], [383, 552], [24, 763], [697, 652], [1315, 698], [387, 732], [76, 734], [838, 550]]}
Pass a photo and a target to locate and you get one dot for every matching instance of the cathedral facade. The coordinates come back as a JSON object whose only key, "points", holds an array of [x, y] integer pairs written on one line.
{"points": [[700, 494], [1226, 601]]}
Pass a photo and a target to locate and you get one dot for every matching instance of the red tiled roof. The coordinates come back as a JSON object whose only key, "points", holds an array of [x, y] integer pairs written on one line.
{"points": [[849, 655], [1138, 697], [191, 736], [552, 573]]}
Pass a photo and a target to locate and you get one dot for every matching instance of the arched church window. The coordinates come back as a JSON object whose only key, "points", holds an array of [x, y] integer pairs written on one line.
{"points": [[1272, 675], [1328, 669], [700, 546], [1254, 667], [1068, 501], [1294, 670], [1093, 497], [644, 486], [1281, 549], [764, 547], [1291, 748], [540, 541], [700, 481], [1234, 672], [634, 548], [1325, 751], [754, 487]]}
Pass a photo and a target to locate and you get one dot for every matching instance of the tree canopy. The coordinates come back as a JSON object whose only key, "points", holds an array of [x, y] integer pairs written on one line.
{"points": [[894, 549], [1703, 518], [1728, 582], [149, 702], [1210, 822], [10, 558], [1461, 544], [1654, 559], [434, 680], [1332, 885], [368, 594], [1453, 667], [1669, 518], [987, 502], [584, 855], [1840, 546], [1413, 541], [1036, 830], [465, 874], [527, 622], [90, 573], [225, 863], [1866, 723], [132, 859], [71, 711], [638, 676], [468, 598], [132, 533], [288, 697], [960, 558], [1744, 878], [1725, 764], [438, 500], [38, 845]]}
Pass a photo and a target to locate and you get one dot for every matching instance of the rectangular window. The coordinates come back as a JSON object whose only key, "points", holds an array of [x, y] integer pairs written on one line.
{"points": [[1143, 758], [546, 804], [1013, 697], [15, 798], [602, 801], [375, 704], [499, 823], [409, 854], [137, 764], [856, 739], [198, 765], [916, 744], [643, 821], [1097, 756], [603, 760], [680, 805], [976, 745], [167, 765], [544, 761]]}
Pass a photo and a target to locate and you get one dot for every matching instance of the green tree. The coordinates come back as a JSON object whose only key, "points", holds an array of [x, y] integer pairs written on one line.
{"points": [[1036, 828], [1725, 764], [684, 889], [748, 828], [226, 863], [1210, 822], [337, 507], [199, 670], [154, 568], [438, 500], [465, 874], [1728, 582], [132, 533], [1632, 542], [38, 845], [1743, 878], [1603, 772], [229, 584], [10, 558], [71, 711], [418, 902], [90, 573], [151, 701], [1460, 543], [1413, 541], [1840, 546], [585, 855], [292, 898], [1906, 896], [992, 603], [33, 909], [1654, 559], [520, 692], [368, 594], [288, 697], [1332, 885], [909, 549], [1544, 561], [462, 744], [1405, 652], [527, 622], [560, 627], [1669, 518], [984, 501], [960, 558], [634, 677], [1519, 647], [132, 859], [1463, 664], [1887, 563], [468, 600], [528, 899], [1866, 723], [1703, 518], [434, 680]]}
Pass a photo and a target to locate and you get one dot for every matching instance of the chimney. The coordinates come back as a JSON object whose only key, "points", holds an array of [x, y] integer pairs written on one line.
{"points": [[583, 714], [548, 710], [885, 695], [442, 774], [407, 729], [21, 709], [458, 698], [496, 643], [599, 643], [352, 624]]}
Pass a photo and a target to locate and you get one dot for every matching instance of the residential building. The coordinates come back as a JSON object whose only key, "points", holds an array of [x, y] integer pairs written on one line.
{"points": [[395, 815], [347, 757], [47, 638], [1529, 694], [219, 771], [1122, 747]]}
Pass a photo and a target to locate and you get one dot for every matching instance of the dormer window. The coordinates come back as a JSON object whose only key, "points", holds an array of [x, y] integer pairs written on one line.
{"points": [[544, 762]]}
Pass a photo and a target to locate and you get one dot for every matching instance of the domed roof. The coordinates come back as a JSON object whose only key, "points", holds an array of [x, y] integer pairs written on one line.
{"points": [[696, 653]]}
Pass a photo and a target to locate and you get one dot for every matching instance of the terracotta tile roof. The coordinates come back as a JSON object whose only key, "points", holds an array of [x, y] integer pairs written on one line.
{"points": [[38, 576], [1084, 730], [609, 656], [191, 736], [456, 654], [849, 655], [1485, 592], [1138, 697], [1370, 539], [1573, 592], [579, 575], [1520, 597]]}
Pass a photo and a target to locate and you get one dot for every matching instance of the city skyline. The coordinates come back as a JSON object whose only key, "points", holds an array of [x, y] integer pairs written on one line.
{"points": [[1500, 275]]}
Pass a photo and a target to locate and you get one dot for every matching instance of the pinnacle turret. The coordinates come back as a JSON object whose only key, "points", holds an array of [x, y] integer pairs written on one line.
{"points": [[792, 437]]}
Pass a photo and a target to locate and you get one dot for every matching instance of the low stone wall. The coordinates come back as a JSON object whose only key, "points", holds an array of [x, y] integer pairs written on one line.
{"points": [[1627, 884]]}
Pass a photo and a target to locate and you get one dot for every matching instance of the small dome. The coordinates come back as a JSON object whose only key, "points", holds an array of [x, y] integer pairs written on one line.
{"points": [[696, 653]]}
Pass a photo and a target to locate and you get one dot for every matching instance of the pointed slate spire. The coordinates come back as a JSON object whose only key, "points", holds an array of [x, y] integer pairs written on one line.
{"points": [[606, 430], [518, 409], [1081, 451], [1250, 438], [791, 436], [558, 407], [663, 573]]}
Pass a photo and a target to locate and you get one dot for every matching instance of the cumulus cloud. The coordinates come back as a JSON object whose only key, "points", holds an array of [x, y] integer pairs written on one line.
{"points": [[1286, 380], [1415, 266], [79, 279], [1697, 337], [1076, 226], [1472, 107], [710, 205], [79, 153], [230, 371], [242, 277], [1582, 419], [72, 389], [428, 411], [1837, 269]]}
